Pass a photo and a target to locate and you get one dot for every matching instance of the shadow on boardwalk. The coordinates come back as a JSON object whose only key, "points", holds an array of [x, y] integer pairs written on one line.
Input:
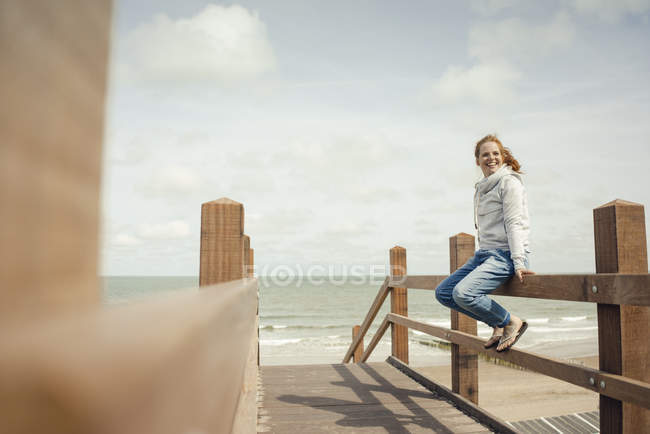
{"points": [[355, 398]]}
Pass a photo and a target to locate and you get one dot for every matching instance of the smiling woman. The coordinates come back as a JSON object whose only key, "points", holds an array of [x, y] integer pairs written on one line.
{"points": [[501, 218]]}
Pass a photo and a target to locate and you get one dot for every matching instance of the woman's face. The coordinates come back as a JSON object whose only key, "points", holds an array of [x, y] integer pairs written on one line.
{"points": [[489, 158]]}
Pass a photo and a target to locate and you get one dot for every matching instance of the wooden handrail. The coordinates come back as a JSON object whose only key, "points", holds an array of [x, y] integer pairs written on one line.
{"points": [[370, 317], [614, 386], [605, 288], [172, 364]]}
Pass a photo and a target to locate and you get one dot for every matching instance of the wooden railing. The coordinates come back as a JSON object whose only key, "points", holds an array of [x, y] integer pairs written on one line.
{"points": [[622, 294], [174, 364]]}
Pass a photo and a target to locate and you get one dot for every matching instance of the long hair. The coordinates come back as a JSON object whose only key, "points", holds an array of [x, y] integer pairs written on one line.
{"points": [[508, 158]]}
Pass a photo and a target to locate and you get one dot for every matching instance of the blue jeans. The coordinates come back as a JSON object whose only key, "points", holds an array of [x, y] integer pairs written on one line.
{"points": [[467, 288]]}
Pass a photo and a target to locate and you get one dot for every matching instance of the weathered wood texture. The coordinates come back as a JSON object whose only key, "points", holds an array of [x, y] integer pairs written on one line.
{"points": [[375, 339], [173, 364], [52, 82], [616, 386], [623, 331], [251, 263], [246, 416], [384, 289], [399, 305], [247, 255], [358, 353], [222, 242], [464, 361], [360, 398], [610, 288], [467, 406]]}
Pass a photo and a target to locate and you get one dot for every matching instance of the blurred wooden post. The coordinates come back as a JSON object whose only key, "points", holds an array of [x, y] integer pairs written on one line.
{"points": [[356, 357], [464, 362], [222, 241], [399, 305], [52, 82], [623, 331], [251, 263]]}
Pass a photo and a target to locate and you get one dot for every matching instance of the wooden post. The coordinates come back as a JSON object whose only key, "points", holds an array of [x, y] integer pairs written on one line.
{"points": [[399, 305], [222, 241], [247, 254], [464, 362], [623, 331], [356, 357], [52, 82], [251, 263]]}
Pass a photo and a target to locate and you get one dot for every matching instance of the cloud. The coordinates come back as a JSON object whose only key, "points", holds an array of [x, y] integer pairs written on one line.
{"points": [[611, 11], [168, 180], [485, 82], [176, 229], [491, 7], [516, 40], [125, 240], [501, 48], [221, 44]]}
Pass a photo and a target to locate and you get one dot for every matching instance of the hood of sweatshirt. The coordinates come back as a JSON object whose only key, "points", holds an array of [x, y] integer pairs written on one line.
{"points": [[486, 184]]}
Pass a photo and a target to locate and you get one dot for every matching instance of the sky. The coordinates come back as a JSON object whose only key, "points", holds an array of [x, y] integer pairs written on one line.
{"points": [[348, 127]]}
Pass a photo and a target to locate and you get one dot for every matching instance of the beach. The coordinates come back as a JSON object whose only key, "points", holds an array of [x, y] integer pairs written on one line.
{"points": [[514, 394], [308, 323]]}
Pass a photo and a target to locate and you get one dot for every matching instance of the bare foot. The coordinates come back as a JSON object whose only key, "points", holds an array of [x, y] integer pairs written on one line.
{"points": [[511, 333], [497, 332]]}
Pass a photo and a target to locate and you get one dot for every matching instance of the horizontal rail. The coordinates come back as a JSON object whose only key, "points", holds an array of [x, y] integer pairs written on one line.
{"points": [[370, 317], [605, 288], [159, 366], [614, 386]]}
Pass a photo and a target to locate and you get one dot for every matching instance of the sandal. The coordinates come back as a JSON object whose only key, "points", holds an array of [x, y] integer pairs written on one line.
{"points": [[494, 339], [514, 337]]}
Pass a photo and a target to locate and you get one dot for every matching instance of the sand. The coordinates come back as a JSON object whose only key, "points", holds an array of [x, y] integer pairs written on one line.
{"points": [[514, 394]]}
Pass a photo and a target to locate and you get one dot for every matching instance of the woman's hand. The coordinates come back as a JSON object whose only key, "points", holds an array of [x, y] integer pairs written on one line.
{"points": [[521, 272]]}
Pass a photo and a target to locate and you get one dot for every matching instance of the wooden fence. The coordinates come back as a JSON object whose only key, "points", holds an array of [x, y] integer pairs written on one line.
{"points": [[620, 287], [181, 363]]}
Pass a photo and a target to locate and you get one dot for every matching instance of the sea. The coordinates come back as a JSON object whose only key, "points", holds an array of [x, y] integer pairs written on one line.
{"points": [[310, 322]]}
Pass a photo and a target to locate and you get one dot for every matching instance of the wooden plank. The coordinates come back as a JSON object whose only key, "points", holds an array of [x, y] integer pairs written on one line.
{"points": [[616, 386], [623, 331], [358, 353], [464, 361], [465, 405], [370, 316], [156, 366], [222, 242], [611, 288], [375, 340], [53, 82], [246, 415], [366, 398], [399, 305]]}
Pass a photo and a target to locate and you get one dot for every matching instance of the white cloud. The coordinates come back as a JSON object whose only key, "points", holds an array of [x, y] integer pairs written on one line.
{"points": [[485, 82], [501, 48], [177, 180], [222, 44], [175, 229], [516, 39], [491, 7], [125, 240], [612, 11]]}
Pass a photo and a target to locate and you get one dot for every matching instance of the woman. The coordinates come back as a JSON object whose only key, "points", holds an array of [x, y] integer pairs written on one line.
{"points": [[501, 218]]}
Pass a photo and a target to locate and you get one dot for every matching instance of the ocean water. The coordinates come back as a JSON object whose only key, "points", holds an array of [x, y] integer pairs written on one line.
{"points": [[311, 322]]}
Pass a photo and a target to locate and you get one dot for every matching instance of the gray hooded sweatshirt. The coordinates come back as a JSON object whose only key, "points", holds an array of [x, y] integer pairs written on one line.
{"points": [[501, 214]]}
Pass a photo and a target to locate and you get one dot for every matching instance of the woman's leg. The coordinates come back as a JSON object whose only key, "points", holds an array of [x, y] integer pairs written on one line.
{"points": [[470, 294], [445, 289]]}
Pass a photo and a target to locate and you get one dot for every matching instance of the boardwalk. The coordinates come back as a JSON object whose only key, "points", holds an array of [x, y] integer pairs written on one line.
{"points": [[359, 398]]}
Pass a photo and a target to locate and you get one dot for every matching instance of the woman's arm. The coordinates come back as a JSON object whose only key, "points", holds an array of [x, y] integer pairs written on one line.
{"points": [[512, 195]]}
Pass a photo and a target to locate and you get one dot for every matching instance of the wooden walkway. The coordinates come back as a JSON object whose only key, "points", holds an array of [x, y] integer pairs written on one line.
{"points": [[359, 398]]}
